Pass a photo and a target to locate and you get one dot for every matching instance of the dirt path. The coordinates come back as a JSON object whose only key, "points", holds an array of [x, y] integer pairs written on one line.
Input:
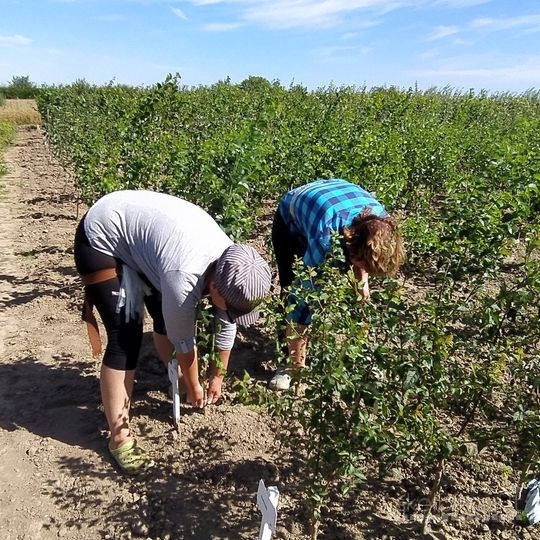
{"points": [[48, 388], [34, 328]]}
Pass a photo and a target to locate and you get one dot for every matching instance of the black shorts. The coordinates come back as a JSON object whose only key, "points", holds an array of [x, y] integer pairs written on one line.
{"points": [[123, 338]]}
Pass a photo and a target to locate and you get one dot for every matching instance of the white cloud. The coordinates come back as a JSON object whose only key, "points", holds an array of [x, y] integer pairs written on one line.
{"points": [[298, 13], [118, 2], [518, 70], [179, 13], [440, 32], [526, 22], [15, 40], [461, 3], [286, 14], [221, 27]]}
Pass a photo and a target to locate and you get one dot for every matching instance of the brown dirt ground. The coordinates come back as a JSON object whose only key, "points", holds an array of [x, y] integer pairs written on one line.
{"points": [[56, 480]]}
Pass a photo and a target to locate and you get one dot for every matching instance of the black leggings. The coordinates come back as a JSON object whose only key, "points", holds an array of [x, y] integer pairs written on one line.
{"points": [[287, 246], [123, 338]]}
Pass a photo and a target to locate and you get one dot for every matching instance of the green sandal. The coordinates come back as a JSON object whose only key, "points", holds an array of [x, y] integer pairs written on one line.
{"points": [[131, 458]]}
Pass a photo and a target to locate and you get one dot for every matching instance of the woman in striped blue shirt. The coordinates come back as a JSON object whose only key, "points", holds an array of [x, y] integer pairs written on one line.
{"points": [[306, 220]]}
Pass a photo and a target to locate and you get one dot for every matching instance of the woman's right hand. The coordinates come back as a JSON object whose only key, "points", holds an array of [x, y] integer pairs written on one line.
{"points": [[190, 371]]}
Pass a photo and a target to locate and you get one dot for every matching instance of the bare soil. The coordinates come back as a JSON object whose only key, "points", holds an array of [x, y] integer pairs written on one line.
{"points": [[56, 479]]}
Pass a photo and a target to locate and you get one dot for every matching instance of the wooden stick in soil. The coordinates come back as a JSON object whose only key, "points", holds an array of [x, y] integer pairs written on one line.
{"points": [[433, 493]]}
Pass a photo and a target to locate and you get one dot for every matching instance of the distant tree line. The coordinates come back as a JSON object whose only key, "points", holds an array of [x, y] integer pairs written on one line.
{"points": [[20, 87]]}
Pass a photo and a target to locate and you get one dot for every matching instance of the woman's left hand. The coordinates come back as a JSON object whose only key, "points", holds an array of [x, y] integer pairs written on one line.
{"points": [[366, 294], [213, 391], [361, 275]]}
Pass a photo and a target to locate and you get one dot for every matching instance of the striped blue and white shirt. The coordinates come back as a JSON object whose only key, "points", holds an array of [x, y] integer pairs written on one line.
{"points": [[321, 208]]}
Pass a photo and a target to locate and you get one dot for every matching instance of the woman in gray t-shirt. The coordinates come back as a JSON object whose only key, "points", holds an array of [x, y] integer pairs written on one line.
{"points": [[173, 253]]}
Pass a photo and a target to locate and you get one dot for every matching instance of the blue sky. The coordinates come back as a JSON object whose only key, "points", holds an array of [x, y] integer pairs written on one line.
{"points": [[489, 45]]}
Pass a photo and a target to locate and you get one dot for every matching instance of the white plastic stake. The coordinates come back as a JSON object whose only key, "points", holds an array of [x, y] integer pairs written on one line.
{"points": [[173, 378], [532, 503], [267, 501]]}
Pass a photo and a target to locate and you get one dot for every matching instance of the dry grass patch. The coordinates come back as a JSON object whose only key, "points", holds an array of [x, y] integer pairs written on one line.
{"points": [[20, 111]]}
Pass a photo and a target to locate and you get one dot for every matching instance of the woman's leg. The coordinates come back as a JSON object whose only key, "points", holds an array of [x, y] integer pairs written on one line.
{"points": [[116, 390], [287, 246], [119, 361], [297, 341], [163, 346], [123, 340]]}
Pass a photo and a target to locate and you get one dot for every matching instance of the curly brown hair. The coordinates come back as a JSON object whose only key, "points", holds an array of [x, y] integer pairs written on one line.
{"points": [[375, 242]]}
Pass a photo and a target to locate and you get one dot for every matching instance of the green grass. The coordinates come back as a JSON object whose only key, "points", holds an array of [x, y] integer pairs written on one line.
{"points": [[7, 132]]}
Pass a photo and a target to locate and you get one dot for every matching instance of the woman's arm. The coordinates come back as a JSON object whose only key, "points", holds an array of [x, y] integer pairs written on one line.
{"points": [[362, 276], [190, 370]]}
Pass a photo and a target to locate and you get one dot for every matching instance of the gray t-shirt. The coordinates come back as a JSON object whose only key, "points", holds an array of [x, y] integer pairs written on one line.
{"points": [[172, 242]]}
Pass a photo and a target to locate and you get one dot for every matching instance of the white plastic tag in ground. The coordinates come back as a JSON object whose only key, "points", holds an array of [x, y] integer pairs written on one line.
{"points": [[532, 503], [173, 378], [267, 501]]}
